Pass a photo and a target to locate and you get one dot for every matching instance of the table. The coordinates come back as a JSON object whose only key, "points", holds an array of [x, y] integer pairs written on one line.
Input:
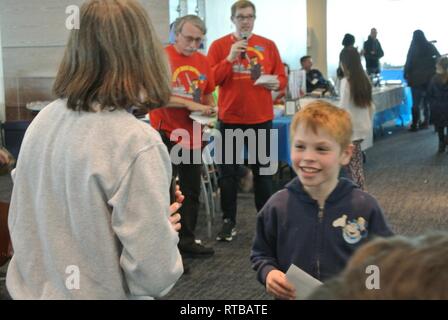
{"points": [[387, 97], [389, 102], [37, 106]]}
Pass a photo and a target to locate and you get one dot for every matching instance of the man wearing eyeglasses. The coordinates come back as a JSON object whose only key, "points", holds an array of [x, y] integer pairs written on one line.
{"points": [[238, 59], [192, 85]]}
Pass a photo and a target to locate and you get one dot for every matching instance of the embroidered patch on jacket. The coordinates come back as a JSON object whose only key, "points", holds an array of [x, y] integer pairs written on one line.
{"points": [[352, 231]]}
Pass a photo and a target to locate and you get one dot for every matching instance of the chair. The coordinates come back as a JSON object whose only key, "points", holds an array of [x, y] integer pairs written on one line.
{"points": [[210, 189]]}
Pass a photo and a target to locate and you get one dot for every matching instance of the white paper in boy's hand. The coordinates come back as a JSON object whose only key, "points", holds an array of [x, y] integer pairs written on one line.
{"points": [[266, 79], [302, 281], [202, 119]]}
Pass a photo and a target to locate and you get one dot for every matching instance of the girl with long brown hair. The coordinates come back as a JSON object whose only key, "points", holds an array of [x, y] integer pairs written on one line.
{"points": [[356, 97], [90, 211]]}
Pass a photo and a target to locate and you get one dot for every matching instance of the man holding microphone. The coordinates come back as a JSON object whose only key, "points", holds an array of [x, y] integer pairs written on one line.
{"points": [[237, 61]]}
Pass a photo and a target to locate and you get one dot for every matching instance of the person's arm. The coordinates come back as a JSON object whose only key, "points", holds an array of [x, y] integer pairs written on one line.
{"points": [[377, 225], [221, 60], [263, 256], [3, 158], [178, 102], [380, 52], [264, 260], [208, 98], [150, 259]]}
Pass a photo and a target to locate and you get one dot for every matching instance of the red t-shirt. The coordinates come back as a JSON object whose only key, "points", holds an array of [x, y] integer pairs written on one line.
{"points": [[240, 101], [191, 79]]}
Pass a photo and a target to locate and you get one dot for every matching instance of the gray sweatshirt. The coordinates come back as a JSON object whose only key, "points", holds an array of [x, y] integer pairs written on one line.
{"points": [[89, 209]]}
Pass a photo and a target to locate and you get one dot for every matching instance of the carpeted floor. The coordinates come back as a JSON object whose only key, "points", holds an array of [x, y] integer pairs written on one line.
{"points": [[404, 173]]}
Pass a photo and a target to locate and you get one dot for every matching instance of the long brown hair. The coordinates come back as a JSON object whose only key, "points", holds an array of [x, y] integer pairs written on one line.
{"points": [[114, 59], [360, 85]]}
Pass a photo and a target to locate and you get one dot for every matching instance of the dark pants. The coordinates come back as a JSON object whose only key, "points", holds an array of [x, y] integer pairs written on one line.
{"points": [[373, 70], [190, 185], [229, 172], [419, 98]]}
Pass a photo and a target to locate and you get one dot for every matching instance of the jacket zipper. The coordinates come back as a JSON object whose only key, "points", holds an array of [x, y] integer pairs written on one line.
{"points": [[320, 217]]}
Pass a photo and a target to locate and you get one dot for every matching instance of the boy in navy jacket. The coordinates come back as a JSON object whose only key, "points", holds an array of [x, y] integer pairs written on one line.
{"points": [[318, 220]]}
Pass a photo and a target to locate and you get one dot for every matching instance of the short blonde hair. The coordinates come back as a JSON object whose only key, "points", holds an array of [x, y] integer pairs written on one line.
{"points": [[115, 60], [321, 114], [242, 4]]}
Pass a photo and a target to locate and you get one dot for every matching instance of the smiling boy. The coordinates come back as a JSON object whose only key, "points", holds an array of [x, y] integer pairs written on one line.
{"points": [[318, 220]]}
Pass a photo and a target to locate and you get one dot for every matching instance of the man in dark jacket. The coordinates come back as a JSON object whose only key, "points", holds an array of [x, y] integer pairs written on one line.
{"points": [[314, 78], [373, 52], [420, 67]]}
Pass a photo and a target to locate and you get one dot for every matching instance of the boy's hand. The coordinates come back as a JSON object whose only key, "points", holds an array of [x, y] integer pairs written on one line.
{"points": [[278, 286]]}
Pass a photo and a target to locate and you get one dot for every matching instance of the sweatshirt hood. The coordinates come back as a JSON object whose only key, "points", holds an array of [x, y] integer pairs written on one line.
{"points": [[343, 188]]}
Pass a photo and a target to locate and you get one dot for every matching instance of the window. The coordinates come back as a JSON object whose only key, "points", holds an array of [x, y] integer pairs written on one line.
{"points": [[395, 21]]}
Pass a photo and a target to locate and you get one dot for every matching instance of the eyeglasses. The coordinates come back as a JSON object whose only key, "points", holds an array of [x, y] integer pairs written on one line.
{"points": [[192, 39], [242, 18]]}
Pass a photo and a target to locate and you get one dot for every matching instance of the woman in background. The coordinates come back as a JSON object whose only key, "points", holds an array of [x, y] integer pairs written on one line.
{"points": [[418, 71], [356, 97], [438, 100], [89, 215], [348, 42]]}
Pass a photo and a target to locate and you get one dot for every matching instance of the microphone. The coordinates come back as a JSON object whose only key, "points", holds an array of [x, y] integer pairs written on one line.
{"points": [[245, 36]]}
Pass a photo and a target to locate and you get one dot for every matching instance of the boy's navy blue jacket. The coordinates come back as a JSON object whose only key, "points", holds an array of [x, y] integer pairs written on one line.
{"points": [[292, 229]]}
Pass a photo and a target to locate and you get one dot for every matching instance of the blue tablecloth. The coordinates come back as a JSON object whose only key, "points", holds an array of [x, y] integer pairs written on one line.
{"points": [[402, 113], [282, 124]]}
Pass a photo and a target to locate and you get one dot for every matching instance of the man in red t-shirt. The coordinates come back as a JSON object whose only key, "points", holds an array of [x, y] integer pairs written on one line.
{"points": [[193, 85], [238, 60]]}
